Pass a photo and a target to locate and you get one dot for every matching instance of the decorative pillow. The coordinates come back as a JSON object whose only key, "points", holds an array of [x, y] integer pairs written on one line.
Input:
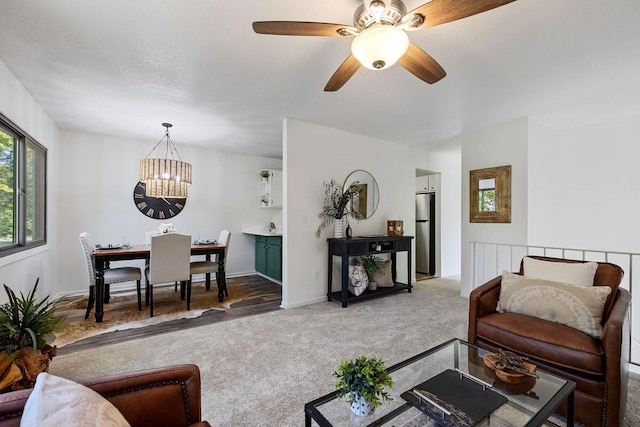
{"points": [[382, 277], [57, 401], [573, 273], [358, 279], [572, 305]]}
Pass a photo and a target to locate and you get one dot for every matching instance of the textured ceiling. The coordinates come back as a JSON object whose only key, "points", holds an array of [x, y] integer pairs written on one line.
{"points": [[122, 67]]}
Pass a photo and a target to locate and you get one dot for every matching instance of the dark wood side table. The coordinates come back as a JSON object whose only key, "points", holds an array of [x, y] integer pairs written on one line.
{"points": [[369, 245]]}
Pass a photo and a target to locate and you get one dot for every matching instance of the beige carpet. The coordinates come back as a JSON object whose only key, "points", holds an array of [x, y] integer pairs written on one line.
{"points": [[122, 311], [261, 370]]}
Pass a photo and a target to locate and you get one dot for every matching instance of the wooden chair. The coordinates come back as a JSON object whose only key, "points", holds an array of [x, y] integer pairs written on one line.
{"points": [[111, 275], [208, 267], [168, 262]]}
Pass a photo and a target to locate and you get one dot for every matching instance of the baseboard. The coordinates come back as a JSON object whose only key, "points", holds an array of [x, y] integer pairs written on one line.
{"points": [[264, 276], [305, 302]]}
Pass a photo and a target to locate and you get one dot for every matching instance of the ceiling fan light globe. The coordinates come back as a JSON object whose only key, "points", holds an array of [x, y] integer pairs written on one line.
{"points": [[380, 46]]}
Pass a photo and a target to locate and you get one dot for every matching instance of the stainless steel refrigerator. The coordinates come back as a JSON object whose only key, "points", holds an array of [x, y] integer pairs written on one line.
{"points": [[425, 233]]}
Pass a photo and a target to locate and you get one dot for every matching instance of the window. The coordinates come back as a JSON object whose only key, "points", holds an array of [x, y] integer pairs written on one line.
{"points": [[22, 190], [487, 195]]}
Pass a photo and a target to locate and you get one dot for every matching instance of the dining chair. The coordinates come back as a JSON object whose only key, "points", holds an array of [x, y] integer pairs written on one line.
{"points": [[111, 275], [208, 267], [168, 262]]}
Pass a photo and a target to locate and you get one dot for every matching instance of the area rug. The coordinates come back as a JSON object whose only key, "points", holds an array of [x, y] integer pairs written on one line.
{"points": [[122, 311]]}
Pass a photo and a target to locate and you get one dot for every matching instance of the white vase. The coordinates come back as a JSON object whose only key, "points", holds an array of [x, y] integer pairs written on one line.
{"points": [[361, 406], [337, 229]]}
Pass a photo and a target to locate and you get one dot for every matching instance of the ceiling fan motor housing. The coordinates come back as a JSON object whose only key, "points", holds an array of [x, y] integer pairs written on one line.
{"points": [[364, 16]]}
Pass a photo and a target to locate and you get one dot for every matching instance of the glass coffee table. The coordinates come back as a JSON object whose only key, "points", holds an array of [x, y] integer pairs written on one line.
{"points": [[527, 404]]}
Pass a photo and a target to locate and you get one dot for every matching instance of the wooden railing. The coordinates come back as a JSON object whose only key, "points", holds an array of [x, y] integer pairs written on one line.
{"points": [[489, 260]]}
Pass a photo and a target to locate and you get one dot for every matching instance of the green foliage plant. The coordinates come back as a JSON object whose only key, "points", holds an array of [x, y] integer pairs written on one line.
{"points": [[264, 174], [336, 203], [372, 263], [25, 322], [364, 376]]}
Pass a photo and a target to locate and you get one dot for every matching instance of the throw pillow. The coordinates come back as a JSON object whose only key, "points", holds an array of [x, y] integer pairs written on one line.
{"points": [[574, 273], [382, 277], [576, 306], [358, 280], [57, 401]]}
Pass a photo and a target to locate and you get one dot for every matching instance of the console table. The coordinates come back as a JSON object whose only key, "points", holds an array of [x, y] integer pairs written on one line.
{"points": [[367, 245]]}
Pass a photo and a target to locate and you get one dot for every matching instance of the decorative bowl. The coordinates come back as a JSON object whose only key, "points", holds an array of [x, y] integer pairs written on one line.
{"points": [[507, 376]]}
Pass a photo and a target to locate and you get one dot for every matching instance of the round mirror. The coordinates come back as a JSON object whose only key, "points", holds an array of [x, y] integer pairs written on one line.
{"points": [[366, 201]]}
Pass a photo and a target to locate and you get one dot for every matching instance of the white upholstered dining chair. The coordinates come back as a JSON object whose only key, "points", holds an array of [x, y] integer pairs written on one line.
{"points": [[169, 262], [208, 267], [111, 275]]}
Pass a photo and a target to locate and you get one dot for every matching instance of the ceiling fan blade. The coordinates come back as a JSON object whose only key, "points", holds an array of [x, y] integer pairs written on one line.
{"points": [[422, 65], [344, 72], [439, 12], [295, 28]]}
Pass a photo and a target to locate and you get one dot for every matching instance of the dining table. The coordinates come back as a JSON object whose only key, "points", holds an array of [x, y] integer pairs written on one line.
{"points": [[103, 256]]}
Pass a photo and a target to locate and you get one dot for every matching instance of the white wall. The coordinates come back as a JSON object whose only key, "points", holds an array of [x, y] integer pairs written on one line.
{"points": [[314, 154], [583, 187], [20, 271], [97, 179], [446, 160], [500, 145]]}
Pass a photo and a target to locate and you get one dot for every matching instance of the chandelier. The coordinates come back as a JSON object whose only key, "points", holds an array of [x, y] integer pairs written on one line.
{"points": [[165, 177]]}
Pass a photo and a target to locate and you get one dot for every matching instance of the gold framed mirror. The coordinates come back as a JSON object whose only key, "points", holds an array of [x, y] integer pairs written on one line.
{"points": [[490, 195]]}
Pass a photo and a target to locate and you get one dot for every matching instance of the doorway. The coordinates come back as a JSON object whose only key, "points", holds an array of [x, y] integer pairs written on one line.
{"points": [[427, 224]]}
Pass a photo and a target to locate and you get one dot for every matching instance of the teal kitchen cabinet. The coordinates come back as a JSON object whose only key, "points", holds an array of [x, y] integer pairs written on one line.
{"points": [[269, 256]]}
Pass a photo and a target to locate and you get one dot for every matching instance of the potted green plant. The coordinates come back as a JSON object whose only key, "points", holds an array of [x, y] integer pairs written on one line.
{"points": [[364, 379], [372, 264], [25, 325], [265, 175], [336, 205]]}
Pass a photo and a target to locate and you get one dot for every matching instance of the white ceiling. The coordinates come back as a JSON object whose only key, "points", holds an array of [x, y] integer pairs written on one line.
{"points": [[122, 67]]}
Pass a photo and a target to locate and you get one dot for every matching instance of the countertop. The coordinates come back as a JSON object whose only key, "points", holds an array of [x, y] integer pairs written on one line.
{"points": [[257, 231]]}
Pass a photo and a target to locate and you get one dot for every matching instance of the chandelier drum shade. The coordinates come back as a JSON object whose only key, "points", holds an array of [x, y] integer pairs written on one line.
{"points": [[168, 176]]}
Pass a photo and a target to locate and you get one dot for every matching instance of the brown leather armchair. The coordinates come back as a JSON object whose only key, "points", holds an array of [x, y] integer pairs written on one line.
{"points": [[168, 396], [600, 368]]}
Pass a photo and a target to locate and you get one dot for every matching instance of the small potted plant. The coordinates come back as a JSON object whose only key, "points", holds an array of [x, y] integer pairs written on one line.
{"points": [[372, 264], [265, 175], [25, 325], [336, 205], [364, 380]]}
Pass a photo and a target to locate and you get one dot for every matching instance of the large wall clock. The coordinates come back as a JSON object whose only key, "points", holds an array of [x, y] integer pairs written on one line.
{"points": [[156, 207]]}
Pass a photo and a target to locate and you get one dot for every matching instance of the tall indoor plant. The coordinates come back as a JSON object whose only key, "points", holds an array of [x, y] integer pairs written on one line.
{"points": [[364, 380], [336, 205], [25, 325]]}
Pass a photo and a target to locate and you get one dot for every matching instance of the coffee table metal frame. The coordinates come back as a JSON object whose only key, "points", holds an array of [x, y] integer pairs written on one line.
{"points": [[565, 391]]}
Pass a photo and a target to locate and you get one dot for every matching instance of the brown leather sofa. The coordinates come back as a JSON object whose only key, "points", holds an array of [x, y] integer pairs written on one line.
{"points": [[600, 368], [168, 396]]}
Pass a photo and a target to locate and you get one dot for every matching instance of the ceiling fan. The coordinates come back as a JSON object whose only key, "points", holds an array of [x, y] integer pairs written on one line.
{"points": [[379, 28]]}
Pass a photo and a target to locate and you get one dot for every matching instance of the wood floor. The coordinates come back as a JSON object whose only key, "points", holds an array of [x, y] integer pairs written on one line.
{"points": [[422, 276], [257, 306]]}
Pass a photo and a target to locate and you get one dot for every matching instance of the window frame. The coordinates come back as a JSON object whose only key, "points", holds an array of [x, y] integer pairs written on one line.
{"points": [[23, 142]]}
